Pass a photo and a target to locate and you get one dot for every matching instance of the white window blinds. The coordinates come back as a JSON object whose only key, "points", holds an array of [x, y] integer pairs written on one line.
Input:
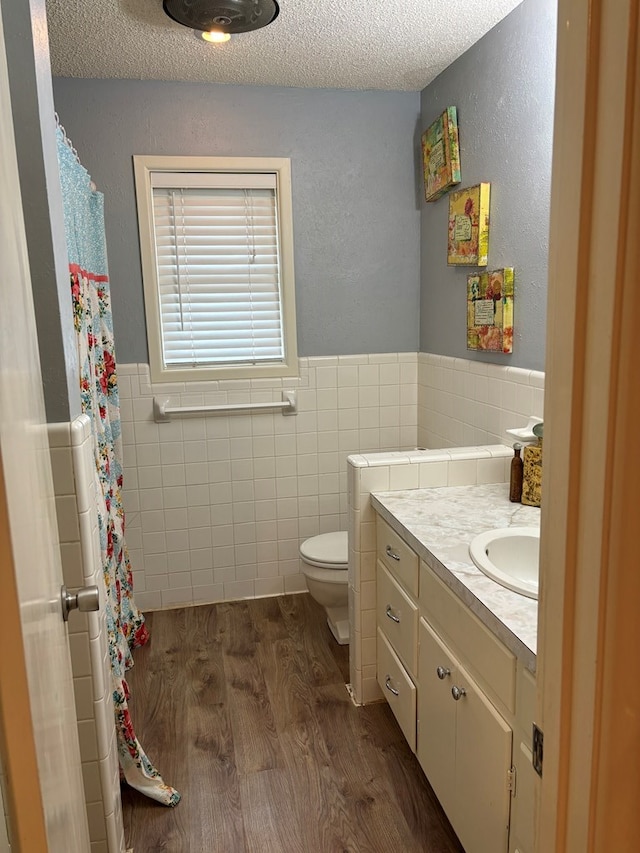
{"points": [[218, 271]]}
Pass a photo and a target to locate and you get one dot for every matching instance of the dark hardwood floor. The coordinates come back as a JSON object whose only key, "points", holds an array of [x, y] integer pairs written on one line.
{"points": [[243, 708]]}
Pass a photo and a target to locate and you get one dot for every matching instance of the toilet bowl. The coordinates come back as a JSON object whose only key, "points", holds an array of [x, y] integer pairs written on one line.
{"points": [[325, 565]]}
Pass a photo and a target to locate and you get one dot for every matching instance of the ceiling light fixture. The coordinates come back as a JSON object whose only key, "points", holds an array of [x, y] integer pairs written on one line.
{"points": [[215, 36], [222, 16]]}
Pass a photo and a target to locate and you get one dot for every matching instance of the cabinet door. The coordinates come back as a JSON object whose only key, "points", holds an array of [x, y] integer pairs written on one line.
{"points": [[437, 717], [483, 760]]}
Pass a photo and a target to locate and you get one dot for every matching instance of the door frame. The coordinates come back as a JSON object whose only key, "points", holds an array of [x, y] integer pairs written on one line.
{"points": [[588, 706]]}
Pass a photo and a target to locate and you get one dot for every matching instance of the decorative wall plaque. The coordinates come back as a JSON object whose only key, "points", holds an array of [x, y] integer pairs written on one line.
{"points": [[469, 226], [441, 155], [490, 311]]}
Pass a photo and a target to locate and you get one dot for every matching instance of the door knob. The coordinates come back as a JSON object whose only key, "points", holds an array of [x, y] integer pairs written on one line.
{"points": [[85, 599], [458, 692], [442, 672]]}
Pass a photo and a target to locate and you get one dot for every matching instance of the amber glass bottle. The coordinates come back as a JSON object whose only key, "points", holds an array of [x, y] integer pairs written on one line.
{"points": [[515, 480]]}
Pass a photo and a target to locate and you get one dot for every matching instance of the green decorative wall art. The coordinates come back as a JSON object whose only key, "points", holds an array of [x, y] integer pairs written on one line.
{"points": [[441, 155]]}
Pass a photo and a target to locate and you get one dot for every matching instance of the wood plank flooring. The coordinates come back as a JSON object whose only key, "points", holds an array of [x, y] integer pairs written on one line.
{"points": [[243, 708]]}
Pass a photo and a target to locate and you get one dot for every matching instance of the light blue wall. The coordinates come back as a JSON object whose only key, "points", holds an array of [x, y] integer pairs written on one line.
{"points": [[35, 135], [503, 88], [356, 213]]}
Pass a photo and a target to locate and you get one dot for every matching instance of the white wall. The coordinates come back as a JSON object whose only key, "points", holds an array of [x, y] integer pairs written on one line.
{"points": [[463, 402], [217, 506]]}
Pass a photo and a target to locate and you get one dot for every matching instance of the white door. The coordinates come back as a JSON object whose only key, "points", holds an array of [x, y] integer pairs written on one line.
{"points": [[30, 570]]}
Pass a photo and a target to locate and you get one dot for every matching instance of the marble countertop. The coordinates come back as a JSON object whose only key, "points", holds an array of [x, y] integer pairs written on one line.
{"points": [[440, 523]]}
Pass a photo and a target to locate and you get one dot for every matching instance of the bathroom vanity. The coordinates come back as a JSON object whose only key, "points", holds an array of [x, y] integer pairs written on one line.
{"points": [[456, 658]]}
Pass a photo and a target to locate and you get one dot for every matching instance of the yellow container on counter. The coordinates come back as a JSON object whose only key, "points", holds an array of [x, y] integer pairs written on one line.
{"points": [[532, 471]]}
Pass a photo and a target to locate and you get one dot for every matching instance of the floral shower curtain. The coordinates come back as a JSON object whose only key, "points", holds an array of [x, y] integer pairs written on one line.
{"points": [[84, 230]]}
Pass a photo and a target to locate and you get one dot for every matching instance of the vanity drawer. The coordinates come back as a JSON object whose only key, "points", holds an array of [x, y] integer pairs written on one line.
{"points": [[492, 662], [397, 618], [396, 555], [398, 688]]}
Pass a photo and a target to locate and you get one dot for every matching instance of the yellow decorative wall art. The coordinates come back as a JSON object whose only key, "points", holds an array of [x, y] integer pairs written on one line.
{"points": [[469, 226], [490, 311]]}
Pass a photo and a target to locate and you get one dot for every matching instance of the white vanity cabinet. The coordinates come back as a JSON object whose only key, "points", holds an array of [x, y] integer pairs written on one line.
{"points": [[463, 701]]}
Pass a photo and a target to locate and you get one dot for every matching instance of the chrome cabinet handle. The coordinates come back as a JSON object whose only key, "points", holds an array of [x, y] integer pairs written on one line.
{"points": [[391, 553], [458, 692], [442, 672], [391, 689], [391, 615]]}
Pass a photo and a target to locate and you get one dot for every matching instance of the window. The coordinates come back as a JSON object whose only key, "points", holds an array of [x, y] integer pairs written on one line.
{"points": [[216, 242]]}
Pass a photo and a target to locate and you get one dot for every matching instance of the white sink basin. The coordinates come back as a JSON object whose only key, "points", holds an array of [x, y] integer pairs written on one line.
{"points": [[509, 556]]}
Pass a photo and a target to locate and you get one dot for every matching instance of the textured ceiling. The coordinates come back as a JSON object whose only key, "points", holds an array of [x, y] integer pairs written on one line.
{"points": [[369, 44]]}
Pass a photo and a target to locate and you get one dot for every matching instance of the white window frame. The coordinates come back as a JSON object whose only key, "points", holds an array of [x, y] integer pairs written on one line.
{"points": [[144, 167]]}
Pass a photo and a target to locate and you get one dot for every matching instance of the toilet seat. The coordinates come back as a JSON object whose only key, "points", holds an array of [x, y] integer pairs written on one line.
{"points": [[327, 551], [337, 575]]}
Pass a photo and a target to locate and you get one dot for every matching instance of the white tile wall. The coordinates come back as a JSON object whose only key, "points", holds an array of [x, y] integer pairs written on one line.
{"points": [[463, 402], [74, 476], [217, 506]]}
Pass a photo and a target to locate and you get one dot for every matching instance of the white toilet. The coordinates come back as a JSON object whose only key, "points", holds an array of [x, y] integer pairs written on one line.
{"points": [[326, 560]]}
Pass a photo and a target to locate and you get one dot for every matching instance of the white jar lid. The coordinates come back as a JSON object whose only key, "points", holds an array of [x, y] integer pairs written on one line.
{"points": [[327, 548]]}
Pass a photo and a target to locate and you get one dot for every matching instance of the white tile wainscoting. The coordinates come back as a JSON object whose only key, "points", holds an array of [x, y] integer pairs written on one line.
{"points": [[74, 481], [217, 506], [463, 402]]}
